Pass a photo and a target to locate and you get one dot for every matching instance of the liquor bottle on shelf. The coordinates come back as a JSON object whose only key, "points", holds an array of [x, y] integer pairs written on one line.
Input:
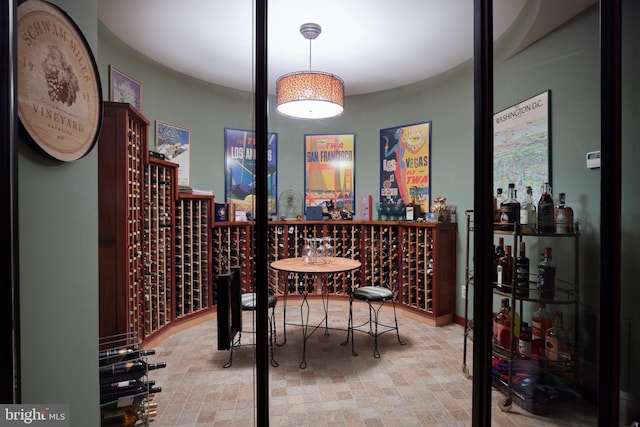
{"points": [[509, 209], [505, 270], [499, 253], [528, 216], [497, 202], [546, 222], [522, 273], [557, 341], [524, 341], [541, 321], [563, 216], [547, 276], [502, 325]]}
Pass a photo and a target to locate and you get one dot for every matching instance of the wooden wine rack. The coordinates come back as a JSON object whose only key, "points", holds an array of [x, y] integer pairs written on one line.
{"points": [[123, 152], [154, 254], [158, 255], [416, 260], [194, 217]]}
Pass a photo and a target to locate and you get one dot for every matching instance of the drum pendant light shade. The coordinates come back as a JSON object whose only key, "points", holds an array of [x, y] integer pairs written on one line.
{"points": [[310, 94]]}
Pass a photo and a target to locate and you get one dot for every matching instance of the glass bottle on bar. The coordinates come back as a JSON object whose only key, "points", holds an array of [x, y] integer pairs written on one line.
{"points": [[497, 202], [546, 222], [528, 216], [499, 253], [557, 341], [502, 325], [505, 271], [547, 276], [510, 209], [563, 215], [522, 273], [541, 321]]}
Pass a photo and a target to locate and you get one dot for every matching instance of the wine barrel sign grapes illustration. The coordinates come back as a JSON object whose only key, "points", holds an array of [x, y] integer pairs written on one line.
{"points": [[59, 90]]}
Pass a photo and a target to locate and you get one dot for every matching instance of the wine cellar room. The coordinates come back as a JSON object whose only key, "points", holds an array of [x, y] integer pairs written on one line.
{"points": [[128, 244]]}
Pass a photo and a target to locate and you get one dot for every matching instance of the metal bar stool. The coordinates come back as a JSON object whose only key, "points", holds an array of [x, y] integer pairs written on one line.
{"points": [[231, 304], [248, 303], [375, 297]]}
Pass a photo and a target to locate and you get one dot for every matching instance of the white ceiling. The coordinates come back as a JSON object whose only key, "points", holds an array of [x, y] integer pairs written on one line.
{"points": [[371, 44]]}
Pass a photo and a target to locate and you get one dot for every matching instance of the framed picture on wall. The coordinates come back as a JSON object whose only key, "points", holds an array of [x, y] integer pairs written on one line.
{"points": [[124, 88], [330, 171], [405, 165], [240, 166], [521, 145], [175, 143]]}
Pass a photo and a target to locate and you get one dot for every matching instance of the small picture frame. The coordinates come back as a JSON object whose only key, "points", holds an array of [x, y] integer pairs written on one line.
{"points": [[174, 142], [124, 88]]}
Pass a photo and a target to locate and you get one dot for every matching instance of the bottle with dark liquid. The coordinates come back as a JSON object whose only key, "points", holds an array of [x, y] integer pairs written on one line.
{"points": [[547, 276], [499, 253], [546, 220], [522, 273], [510, 209], [497, 202], [121, 354], [123, 371], [524, 342], [505, 271]]}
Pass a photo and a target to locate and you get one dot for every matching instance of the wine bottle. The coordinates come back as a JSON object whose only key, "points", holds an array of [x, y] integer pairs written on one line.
{"points": [[522, 273], [128, 397], [546, 222], [121, 354], [128, 370], [110, 387], [128, 415], [557, 341]]}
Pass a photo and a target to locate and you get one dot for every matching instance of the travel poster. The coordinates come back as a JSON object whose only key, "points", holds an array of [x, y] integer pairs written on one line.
{"points": [[240, 163], [329, 171], [405, 167]]}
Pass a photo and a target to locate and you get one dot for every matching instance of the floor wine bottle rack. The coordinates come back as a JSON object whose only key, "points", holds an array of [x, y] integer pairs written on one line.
{"points": [[159, 211], [416, 260], [194, 217]]}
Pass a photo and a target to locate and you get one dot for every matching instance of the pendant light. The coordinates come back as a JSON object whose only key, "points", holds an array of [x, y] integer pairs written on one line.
{"points": [[310, 94]]}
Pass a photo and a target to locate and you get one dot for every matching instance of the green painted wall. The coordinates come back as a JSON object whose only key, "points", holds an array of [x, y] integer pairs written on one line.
{"points": [[58, 273]]}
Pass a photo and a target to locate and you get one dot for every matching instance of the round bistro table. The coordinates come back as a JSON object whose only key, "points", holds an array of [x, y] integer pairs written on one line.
{"points": [[319, 270]]}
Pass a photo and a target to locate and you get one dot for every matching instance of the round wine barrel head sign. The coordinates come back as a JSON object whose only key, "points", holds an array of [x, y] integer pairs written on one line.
{"points": [[59, 90]]}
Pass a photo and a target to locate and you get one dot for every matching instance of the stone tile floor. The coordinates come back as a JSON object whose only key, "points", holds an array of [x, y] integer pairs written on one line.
{"points": [[418, 384]]}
